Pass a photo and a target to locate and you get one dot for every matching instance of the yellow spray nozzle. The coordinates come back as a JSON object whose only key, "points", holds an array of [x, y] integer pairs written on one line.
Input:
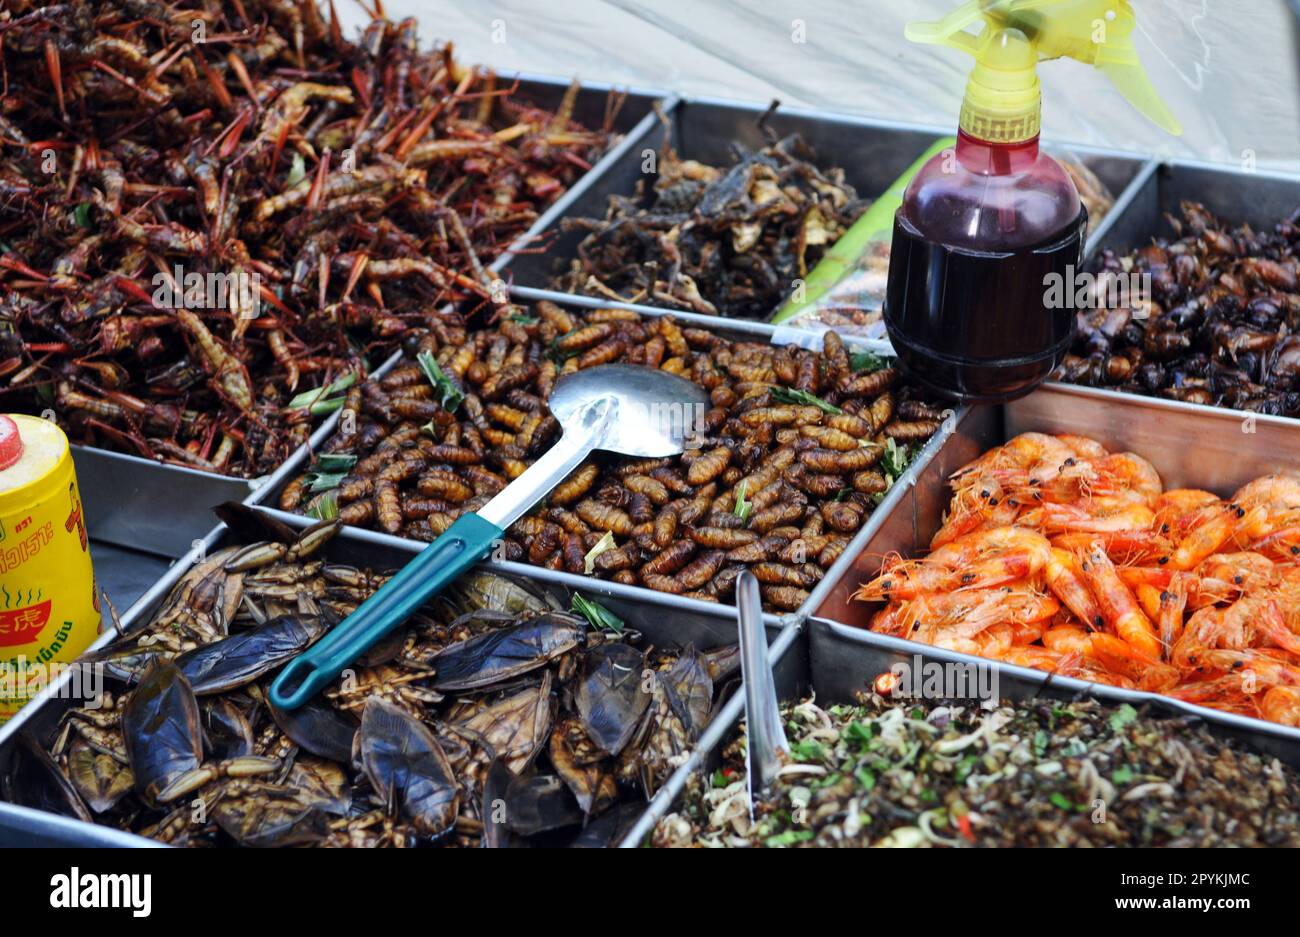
{"points": [[1096, 32]]}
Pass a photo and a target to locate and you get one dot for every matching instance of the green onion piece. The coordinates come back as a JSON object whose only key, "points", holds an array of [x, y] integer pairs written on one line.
{"points": [[790, 395], [81, 214], [597, 615], [1122, 717], [326, 407], [325, 481], [867, 361], [743, 508], [309, 398], [895, 459], [334, 462], [605, 543], [325, 507], [450, 396]]}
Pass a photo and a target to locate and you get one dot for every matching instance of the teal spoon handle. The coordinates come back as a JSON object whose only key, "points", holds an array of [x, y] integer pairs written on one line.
{"points": [[464, 543]]}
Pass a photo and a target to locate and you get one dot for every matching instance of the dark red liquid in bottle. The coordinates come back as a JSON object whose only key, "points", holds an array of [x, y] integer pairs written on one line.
{"points": [[977, 241]]}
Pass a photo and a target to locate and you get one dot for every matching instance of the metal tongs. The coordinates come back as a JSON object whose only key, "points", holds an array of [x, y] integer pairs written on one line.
{"points": [[765, 736]]}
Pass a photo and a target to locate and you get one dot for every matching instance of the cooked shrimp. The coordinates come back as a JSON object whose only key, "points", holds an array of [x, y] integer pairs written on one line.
{"points": [[1038, 455], [1068, 638], [1118, 606], [1269, 504], [1094, 515], [1083, 447], [1177, 503], [1214, 526], [1119, 656], [1265, 670], [965, 614], [978, 560], [1128, 475], [1065, 579], [1281, 704], [1173, 605]]}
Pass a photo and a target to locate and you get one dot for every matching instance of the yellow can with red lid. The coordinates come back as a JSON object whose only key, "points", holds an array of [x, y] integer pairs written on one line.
{"points": [[49, 606]]}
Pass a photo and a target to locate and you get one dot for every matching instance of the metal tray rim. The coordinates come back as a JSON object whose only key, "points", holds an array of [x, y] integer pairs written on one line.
{"points": [[1100, 691]]}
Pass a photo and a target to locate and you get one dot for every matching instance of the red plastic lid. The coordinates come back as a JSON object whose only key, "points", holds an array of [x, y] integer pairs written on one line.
{"points": [[11, 444]]}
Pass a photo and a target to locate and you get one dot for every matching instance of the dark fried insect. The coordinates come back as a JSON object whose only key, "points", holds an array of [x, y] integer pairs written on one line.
{"points": [[1215, 324]]}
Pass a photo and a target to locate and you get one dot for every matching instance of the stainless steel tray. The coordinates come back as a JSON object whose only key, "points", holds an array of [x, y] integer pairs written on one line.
{"points": [[1259, 198], [268, 497], [1196, 447], [706, 627], [872, 152]]}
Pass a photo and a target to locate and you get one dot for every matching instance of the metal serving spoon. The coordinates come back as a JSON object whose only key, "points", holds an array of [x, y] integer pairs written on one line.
{"points": [[629, 409]]}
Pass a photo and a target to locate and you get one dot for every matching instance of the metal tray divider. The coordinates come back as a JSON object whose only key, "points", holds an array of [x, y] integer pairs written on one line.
{"points": [[713, 736], [887, 506], [300, 456], [1122, 202]]}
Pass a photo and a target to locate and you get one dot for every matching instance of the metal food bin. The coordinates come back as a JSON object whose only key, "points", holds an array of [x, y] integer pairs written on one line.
{"points": [[267, 498], [1191, 446], [707, 627], [872, 153]]}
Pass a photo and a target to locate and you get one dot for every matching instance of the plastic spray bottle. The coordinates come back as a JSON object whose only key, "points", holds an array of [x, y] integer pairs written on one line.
{"points": [[984, 228]]}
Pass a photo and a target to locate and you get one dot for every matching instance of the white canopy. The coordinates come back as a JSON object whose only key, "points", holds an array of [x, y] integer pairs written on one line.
{"points": [[1229, 69]]}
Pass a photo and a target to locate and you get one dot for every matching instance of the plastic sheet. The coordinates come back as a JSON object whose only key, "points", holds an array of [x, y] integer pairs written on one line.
{"points": [[1230, 69]]}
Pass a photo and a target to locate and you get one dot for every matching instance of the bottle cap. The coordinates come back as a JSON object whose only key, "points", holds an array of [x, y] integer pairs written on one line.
{"points": [[1003, 103], [11, 443]]}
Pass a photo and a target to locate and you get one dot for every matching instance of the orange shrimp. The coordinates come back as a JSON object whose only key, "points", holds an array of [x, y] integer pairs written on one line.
{"points": [[1169, 619], [1037, 455], [1121, 657], [1177, 503], [1263, 669], [1068, 638], [1066, 663], [1118, 606], [1096, 515], [1216, 524], [1149, 598], [1128, 475], [1271, 503], [1200, 634], [1082, 446], [965, 614], [978, 560], [1201, 590], [1065, 579], [1124, 546], [1281, 704]]}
